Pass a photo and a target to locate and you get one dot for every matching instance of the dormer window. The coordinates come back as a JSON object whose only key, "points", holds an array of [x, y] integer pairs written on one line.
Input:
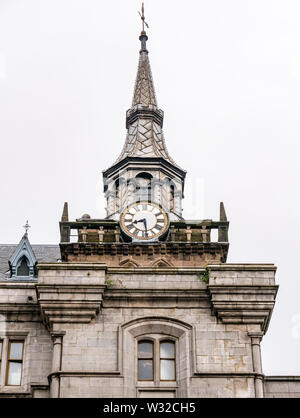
{"points": [[22, 262], [23, 268]]}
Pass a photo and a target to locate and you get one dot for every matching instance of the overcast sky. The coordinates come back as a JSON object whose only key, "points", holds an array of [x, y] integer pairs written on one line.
{"points": [[227, 75]]}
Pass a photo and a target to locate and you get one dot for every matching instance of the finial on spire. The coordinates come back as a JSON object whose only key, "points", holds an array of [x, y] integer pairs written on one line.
{"points": [[143, 38], [143, 20], [26, 226]]}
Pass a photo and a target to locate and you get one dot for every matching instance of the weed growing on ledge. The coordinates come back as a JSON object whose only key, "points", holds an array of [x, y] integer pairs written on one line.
{"points": [[205, 276]]}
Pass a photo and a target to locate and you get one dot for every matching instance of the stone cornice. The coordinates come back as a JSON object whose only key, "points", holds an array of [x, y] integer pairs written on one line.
{"points": [[17, 285], [282, 378], [242, 267], [146, 161], [226, 374], [156, 270], [69, 303], [71, 266], [19, 308], [243, 304], [167, 298], [157, 248]]}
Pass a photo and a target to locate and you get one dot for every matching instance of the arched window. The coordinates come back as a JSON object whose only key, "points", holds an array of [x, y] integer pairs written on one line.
{"points": [[23, 269], [167, 362], [145, 360], [143, 187]]}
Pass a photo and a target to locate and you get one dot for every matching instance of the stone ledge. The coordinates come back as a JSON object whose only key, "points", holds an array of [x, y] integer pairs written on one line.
{"points": [[156, 270], [243, 304], [242, 267], [71, 266], [19, 308], [282, 378], [226, 374], [69, 303]]}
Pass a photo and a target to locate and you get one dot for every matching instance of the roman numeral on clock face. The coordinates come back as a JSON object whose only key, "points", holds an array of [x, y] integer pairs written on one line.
{"points": [[130, 226], [144, 221]]}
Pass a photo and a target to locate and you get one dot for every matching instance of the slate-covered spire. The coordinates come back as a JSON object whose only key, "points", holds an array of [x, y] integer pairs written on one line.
{"points": [[144, 120], [144, 93]]}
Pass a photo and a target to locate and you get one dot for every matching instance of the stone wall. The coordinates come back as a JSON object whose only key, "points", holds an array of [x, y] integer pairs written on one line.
{"points": [[20, 319], [282, 387], [96, 315]]}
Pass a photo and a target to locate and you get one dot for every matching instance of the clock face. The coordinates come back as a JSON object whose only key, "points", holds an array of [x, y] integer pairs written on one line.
{"points": [[144, 221]]}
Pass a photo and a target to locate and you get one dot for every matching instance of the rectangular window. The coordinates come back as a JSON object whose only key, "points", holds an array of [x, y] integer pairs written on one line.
{"points": [[14, 363], [145, 360], [167, 360]]}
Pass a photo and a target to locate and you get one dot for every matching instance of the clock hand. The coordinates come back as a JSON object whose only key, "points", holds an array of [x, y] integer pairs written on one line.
{"points": [[139, 220], [145, 223]]}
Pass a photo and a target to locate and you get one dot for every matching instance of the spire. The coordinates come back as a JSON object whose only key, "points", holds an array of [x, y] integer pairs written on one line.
{"points": [[144, 120], [144, 93]]}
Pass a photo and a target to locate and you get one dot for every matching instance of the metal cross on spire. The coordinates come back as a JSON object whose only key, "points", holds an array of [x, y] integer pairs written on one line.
{"points": [[143, 19], [26, 226]]}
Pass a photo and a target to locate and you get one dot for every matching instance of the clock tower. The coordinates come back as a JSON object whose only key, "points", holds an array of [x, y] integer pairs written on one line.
{"points": [[144, 170], [142, 302], [144, 188]]}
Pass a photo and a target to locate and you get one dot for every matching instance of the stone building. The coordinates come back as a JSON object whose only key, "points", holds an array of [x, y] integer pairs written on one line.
{"points": [[141, 303]]}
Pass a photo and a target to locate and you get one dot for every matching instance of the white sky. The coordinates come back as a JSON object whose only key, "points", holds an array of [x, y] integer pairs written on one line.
{"points": [[227, 75]]}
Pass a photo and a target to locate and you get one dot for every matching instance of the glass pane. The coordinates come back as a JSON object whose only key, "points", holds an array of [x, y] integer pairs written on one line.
{"points": [[167, 350], [16, 350], [167, 371], [14, 374], [145, 350], [145, 370]]}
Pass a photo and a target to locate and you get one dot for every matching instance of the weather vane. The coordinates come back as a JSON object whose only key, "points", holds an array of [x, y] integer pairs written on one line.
{"points": [[26, 226], [143, 18]]}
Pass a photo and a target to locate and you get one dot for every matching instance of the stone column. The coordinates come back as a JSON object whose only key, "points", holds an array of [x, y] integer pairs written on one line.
{"points": [[110, 197], [256, 338], [57, 338], [156, 191], [131, 197], [177, 202]]}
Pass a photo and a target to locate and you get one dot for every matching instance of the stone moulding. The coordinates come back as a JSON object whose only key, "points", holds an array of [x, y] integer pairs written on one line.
{"points": [[70, 292], [83, 250], [69, 304], [243, 294]]}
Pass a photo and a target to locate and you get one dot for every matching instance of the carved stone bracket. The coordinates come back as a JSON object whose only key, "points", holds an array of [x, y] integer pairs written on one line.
{"points": [[242, 295], [69, 292], [66, 304]]}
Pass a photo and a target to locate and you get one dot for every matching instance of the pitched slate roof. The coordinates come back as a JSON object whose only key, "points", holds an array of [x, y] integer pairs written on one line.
{"points": [[43, 253]]}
